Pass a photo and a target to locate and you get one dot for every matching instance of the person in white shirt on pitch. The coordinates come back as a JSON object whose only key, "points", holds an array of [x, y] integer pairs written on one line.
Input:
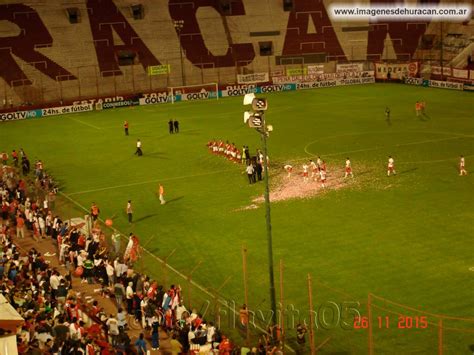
{"points": [[391, 166], [305, 173], [289, 169], [139, 151], [322, 174], [462, 166], [314, 169]]}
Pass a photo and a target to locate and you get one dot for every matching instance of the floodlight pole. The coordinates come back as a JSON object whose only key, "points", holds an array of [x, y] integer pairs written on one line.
{"points": [[178, 25], [269, 230]]}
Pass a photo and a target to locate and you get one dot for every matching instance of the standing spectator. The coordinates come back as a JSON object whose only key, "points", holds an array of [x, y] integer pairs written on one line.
{"points": [[249, 169], [15, 157], [171, 126], [116, 241], [129, 294], [161, 193], [113, 329], [139, 151], [94, 211], [140, 344], [258, 170], [125, 127], [176, 126], [155, 334], [129, 211], [20, 227], [119, 292]]}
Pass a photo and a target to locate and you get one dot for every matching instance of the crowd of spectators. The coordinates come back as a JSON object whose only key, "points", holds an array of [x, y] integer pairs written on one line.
{"points": [[59, 320]]}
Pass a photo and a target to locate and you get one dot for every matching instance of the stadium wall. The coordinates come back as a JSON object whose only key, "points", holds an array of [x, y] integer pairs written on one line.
{"points": [[45, 58]]}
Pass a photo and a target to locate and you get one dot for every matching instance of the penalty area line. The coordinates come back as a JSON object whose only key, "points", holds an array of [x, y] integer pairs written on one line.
{"points": [[85, 123], [184, 277], [148, 182]]}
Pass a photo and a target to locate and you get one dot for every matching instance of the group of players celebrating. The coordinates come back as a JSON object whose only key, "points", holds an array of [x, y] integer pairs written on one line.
{"points": [[318, 170], [229, 150]]}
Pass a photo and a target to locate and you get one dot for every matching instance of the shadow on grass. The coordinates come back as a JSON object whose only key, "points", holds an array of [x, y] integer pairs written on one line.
{"points": [[144, 217], [155, 155], [174, 199], [408, 171]]}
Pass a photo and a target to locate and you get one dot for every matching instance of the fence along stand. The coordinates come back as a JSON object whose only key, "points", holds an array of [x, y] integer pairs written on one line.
{"points": [[369, 316], [246, 295], [311, 316]]}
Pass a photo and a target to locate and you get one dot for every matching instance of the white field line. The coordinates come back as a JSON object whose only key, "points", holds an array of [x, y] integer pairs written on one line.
{"points": [[85, 123], [194, 283], [456, 136], [148, 182]]}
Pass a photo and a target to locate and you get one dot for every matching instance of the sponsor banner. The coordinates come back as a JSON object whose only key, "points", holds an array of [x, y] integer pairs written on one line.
{"points": [[278, 72], [275, 88], [437, 70], [159, 69], [446, 85], [158, 98], [469, 87], [238, 90], [99, 100], [350, 67], [253, 78], [471, 74], [124, 103], [396, 70], [53, 111], [321, 77], [201, 95], [20, 115], [336, 82], [414, 81], [461, 73], [315, 69], [296, 71], [447, 71]]}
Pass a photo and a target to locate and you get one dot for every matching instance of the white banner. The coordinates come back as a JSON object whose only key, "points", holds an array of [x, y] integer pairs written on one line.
{"points": [[446, 85], [253, 78], [238, 90], [315, 69], [335, 82], [447, 71], [155, 98], [53, 111], [461, 73], [414, 81], [350, 67], [321, 77], [396, 70]]}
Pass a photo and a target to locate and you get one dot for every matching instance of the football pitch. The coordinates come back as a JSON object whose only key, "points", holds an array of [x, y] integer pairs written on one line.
{"points": [[406, 239]]}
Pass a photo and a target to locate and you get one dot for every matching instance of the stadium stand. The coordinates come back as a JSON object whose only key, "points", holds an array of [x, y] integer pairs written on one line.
{"points": [[106, 50]]}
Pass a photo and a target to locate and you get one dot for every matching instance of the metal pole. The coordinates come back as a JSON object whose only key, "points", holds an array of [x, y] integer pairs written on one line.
{"points": [[269, 229], [311, 316], [441, 50], [183, 77], [282, 312], [440, 336], [369, 316], [246, 296]]}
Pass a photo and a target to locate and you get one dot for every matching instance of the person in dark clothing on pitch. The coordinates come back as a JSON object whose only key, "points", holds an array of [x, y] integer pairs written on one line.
{"points": [[258, 170], [176, 126], [171, 126]]}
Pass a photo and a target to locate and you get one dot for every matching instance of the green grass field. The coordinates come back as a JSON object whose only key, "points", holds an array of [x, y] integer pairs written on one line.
{"points": [[406, 238]]}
